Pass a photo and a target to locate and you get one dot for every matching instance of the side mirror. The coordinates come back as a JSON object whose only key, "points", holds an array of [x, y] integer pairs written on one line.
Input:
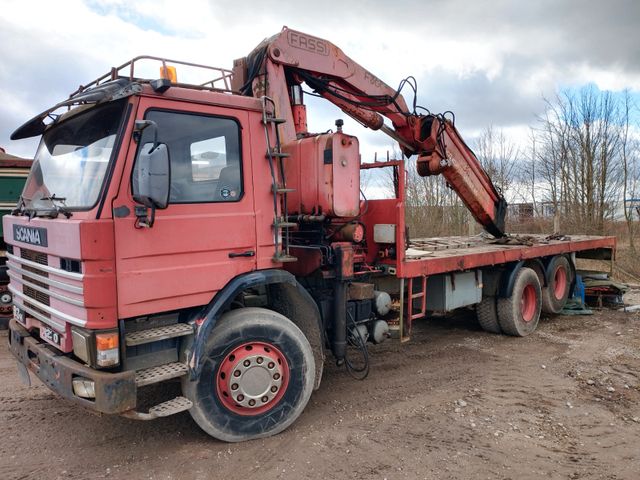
{"points": [[152, 178], [153, 174]]}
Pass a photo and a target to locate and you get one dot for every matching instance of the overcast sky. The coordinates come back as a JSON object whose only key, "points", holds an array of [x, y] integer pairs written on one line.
{"points": [[491, 62]]}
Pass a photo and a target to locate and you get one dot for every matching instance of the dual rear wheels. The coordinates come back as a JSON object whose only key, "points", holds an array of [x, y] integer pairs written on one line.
{"points": [[519, 314]]}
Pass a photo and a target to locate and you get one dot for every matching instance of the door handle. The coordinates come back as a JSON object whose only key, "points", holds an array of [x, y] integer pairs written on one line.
{"points": [[248, 253]]}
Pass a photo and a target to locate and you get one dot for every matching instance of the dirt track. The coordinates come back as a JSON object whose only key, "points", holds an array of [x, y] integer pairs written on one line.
{"points": [[562, 403]]}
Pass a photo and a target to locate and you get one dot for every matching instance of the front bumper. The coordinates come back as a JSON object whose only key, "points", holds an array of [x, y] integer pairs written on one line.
{"points": [[115, 392]]}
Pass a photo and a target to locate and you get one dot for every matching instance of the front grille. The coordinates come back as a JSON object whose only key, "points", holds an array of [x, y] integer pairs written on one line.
{"points": [[36, 295], [38, 257], [39, 310], [42, 259]]}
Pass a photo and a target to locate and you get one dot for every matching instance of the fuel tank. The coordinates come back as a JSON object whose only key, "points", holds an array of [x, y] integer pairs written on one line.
{"points": [[324, 170]]}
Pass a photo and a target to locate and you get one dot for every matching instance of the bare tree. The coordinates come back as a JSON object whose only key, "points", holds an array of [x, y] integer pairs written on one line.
{"points": [[630, 168], [498, 156], [432, 207], [578, 156]]}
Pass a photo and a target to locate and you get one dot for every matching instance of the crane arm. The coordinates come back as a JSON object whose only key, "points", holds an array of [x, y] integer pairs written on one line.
{"points": [[280, 64]]}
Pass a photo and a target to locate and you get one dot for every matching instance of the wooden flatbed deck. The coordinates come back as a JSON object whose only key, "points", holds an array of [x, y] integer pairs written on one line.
{"points": [[430, 256]]}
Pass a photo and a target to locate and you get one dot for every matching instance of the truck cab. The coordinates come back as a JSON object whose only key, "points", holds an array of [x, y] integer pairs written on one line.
{"points": [[90, 264]]}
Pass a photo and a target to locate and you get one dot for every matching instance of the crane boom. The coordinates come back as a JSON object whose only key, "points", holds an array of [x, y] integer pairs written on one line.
{"points": [[280, 64]]}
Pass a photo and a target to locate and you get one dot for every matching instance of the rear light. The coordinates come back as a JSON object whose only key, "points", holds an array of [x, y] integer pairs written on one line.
{"points": [[107, 349]]}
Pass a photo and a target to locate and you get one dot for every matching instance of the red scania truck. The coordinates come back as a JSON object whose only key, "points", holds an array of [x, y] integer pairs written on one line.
{"points": [[200, 232]]}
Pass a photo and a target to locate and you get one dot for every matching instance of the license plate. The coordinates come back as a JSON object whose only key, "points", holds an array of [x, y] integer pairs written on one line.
{"points": [[50, 335], [18, 314]]}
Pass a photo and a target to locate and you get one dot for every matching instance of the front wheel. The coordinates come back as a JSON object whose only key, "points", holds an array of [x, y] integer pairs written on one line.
{"points": [[257, 376]]}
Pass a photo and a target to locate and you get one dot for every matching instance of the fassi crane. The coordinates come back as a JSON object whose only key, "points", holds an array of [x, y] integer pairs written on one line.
{"points": [[280, 64]]}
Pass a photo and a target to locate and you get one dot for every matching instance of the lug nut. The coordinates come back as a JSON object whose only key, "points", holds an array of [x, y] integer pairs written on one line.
{"points": [[274, 389], [237, 373], [252, 402], [276, 376], [265, 399], [259, 360], [246, 363], [234, 386], [240, 398], [271, 365]]}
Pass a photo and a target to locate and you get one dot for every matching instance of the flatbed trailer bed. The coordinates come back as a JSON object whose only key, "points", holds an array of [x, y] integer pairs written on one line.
{"points": [[426, 259], [431, 256]]}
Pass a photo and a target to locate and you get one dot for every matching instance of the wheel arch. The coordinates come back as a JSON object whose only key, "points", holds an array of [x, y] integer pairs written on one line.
{"points": [[295, 303], [508, 277], [287, 297]]}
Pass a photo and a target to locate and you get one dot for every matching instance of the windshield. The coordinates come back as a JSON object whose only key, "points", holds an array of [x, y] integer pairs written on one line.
{"points": [[72, 160]]}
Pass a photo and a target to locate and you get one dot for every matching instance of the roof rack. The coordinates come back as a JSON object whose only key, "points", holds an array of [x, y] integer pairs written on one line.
{"points": [[221, 81]]}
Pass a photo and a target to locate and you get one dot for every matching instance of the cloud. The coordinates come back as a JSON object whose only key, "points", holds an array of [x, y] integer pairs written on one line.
{"points": [[490, 62]]}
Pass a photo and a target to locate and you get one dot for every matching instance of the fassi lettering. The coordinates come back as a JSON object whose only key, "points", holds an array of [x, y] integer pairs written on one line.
{"points": [[307, 43]]}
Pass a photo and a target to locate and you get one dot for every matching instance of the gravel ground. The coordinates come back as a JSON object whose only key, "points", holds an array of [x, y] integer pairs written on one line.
{"points": [[454, 403]]}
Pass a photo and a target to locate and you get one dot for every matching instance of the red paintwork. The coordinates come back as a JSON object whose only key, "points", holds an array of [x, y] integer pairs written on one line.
{"points": [[560, 282], [297, 49], [486, 256], [225, 378], [183, 260], [299, 52], [528, 303], [463, 172], [76, 238], [300, 118], [333, 187]]}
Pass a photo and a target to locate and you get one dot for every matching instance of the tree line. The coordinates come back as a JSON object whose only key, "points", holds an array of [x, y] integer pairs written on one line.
{"points": [[580, 164]]}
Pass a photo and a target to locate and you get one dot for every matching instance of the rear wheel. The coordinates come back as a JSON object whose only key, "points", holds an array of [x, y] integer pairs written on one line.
{"points": [[555, 294], [519, 314], [256, 379], [487, 312]]}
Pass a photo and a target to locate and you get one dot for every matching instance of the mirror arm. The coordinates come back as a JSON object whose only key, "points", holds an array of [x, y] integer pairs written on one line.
{"points": [[140, 125], [144, 218]]}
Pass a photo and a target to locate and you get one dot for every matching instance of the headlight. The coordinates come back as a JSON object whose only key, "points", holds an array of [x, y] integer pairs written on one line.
{"points": [[96, 348], [82, 344]]}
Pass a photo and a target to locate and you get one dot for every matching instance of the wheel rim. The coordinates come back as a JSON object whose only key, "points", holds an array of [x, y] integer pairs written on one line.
{"points": [[252, 378], [528, 303], [560, 283]]}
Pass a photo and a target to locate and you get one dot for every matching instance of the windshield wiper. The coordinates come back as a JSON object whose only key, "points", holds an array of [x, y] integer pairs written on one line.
{"points": [[63, 209], [20, 206]]}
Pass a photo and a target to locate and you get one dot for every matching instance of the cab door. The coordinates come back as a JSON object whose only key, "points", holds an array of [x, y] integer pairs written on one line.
{"points": [[207, 234]]}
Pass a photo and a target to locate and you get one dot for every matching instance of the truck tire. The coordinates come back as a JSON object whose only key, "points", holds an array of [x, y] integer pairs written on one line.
{"points": [[519, 314], [555, 294], [487, 312], [257, 376]]}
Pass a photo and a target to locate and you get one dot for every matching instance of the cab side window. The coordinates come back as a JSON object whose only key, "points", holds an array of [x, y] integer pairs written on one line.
{"points": [[205, 156]]}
